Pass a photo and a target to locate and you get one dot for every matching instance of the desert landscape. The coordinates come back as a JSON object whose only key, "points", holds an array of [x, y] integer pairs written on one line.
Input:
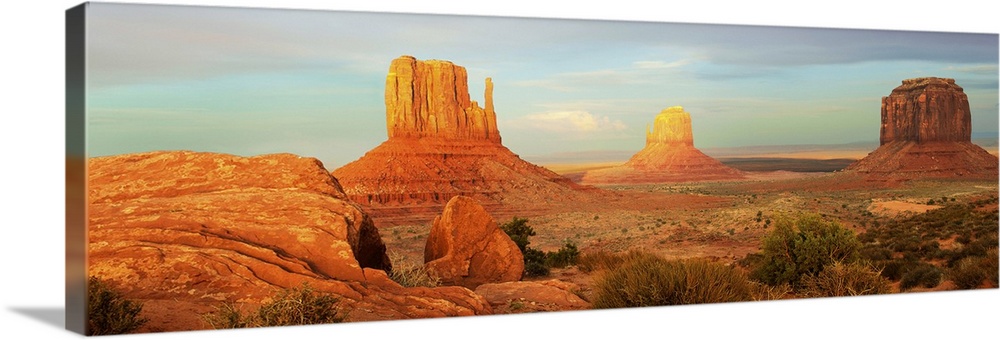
{"points": [[441, 219], [316, 167]]}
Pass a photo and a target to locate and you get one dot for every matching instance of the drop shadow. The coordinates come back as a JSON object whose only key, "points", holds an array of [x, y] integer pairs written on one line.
{"points": [[53, 316]]}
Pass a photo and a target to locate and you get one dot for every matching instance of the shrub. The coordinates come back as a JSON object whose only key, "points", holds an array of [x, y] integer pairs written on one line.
{"points": [[653, 281], [840, 279], [534, 263], [801, 247], [410, 273], [923, 274], [564, 257], [293, 306], [109, 313], [518, 230]]}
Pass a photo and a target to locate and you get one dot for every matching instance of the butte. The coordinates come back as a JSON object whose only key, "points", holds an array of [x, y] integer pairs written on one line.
{"points": [[669, 156], [926, 133], [442, 144]]}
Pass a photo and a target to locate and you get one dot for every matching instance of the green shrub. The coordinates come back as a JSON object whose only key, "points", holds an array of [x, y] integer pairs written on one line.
{"points": [[564, 257], [923, 274], [801, 247], [653, 281], [518, 230], [410, 273], [534, 263], [109, 313], [840, 279], [292, 306]]}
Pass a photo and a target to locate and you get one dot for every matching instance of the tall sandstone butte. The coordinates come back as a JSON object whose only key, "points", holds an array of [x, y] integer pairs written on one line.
{"points": [[442, 144], [926, 133], [669, 156], [430, 99]]}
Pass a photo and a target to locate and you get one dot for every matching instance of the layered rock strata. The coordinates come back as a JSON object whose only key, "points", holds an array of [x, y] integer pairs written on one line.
{"points": [[926, 133], [185, 232], [442, 144], [465, 247], [669, 156]]}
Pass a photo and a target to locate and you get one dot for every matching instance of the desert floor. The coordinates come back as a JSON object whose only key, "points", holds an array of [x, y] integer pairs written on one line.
{"points": [[722, 221]]}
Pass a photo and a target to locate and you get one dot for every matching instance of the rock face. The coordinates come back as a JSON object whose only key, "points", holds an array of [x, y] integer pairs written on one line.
{"points": [[440, 145], [466, 248], [926, 133], [669, 156], [532, 296], [185, 232], [431, 99], [926, 110]]}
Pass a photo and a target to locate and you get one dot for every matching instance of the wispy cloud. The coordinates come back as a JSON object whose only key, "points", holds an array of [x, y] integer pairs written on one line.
{"points": [[567, 121], [983, 69]]}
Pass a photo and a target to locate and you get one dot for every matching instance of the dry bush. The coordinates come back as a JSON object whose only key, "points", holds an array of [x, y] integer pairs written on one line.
{"points": [[971, 272], [845, 279], [109, 313], [653, 281], [410, 273], [604, 260], [293, 306]]}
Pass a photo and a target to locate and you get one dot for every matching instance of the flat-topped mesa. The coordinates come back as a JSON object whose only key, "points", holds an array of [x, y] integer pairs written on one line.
{"points": [[430, 99], [926, 110], [671, 126]]}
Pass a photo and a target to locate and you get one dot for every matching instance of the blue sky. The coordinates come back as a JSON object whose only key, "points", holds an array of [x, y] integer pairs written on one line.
{"points": [[252, 81]]}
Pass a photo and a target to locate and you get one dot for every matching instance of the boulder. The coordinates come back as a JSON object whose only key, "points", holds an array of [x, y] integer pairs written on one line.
{"points": [[466, 248]]}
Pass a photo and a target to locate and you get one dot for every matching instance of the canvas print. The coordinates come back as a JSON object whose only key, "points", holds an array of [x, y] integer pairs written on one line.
{"points": [[242, 167]]}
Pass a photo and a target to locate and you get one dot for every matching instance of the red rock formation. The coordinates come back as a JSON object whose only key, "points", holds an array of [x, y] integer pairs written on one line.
{"points": [[184, 232], [669, 156], [431, 99], [532, 296], [926, 133], [441, 144], [926, 110], [466, 248]]}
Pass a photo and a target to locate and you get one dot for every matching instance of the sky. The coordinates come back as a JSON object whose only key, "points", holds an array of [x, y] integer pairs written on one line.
{"points": [[309, 82]]}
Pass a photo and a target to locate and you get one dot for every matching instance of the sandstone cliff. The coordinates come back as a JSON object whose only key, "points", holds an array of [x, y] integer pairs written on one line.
{"points": [[440, 145], [926, 133], [669, 156], [926, 110], [430, 99], [185, 232]]}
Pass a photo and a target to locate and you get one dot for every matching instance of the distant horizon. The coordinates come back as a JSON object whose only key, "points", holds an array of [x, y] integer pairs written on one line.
{"points": [[250, 81]]}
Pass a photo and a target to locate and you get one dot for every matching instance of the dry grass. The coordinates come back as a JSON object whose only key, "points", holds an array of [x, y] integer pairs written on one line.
{"points": [[410, 273], [641, 281]]}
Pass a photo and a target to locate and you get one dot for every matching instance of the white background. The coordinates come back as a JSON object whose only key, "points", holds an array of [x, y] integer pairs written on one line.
{"points": [[32, 127]]}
